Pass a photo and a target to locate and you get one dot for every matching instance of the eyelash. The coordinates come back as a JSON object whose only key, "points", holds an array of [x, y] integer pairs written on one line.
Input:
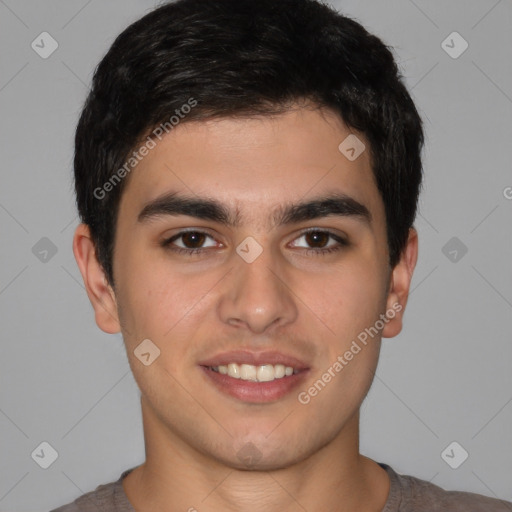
{"points": [[316, 252]]}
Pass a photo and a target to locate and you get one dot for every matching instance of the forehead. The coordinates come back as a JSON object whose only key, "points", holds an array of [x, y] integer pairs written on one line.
{"points": [[257, 165]]}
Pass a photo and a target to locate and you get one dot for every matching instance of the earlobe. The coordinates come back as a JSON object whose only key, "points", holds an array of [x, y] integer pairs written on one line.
{"points": [[99, 291], [399, 287]]}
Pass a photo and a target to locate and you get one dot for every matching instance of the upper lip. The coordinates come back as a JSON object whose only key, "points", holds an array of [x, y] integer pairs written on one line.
{"points": [[254, 358]]}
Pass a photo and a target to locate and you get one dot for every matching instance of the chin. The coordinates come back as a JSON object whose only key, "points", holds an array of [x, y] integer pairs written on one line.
{"points": [[254, 460], [265, 454]]}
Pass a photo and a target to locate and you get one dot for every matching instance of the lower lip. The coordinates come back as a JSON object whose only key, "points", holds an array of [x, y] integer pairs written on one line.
{"points": [[255, 392]]}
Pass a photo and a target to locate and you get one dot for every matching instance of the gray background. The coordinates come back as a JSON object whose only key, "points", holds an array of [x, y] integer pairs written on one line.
{"points": [[445, 378]]}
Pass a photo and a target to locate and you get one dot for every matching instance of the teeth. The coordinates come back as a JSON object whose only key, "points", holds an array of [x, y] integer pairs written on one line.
{"points": [[279, 371], [234, 370], [266, 373], [248, 372], [263, 373]]}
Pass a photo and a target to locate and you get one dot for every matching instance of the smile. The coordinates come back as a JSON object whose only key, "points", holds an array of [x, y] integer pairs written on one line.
{"points": [[262, 373]]}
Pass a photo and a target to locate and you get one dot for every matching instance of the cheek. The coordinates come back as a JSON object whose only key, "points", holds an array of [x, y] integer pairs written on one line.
{"points": [[351, 302], [160, 302], [352, 298], [149, 297]]}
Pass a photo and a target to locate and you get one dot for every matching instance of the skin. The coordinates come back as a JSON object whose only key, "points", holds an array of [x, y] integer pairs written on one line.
{"points": [[193, 307]]}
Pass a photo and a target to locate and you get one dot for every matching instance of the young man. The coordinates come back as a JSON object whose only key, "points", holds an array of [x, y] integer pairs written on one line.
{"points": [[247, 174]]}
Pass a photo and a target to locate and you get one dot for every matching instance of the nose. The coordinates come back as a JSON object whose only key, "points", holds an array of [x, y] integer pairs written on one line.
{"points": [[258, 295]]}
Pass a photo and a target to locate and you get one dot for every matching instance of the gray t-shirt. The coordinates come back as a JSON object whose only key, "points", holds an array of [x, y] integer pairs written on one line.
{"points": [[406, 494]]}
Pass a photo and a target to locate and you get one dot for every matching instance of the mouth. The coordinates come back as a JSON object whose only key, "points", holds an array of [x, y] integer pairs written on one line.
{"points": [[254, 378], [263, 373]]}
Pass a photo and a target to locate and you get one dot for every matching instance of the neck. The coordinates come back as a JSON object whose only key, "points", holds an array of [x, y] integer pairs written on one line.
{"points": [[176, 477]]}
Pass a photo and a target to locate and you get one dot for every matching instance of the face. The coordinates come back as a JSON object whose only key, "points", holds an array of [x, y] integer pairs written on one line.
{"points": [[248, 279]]}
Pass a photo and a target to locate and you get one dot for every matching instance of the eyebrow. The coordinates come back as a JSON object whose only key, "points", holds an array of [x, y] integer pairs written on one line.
{"points": [[334, 204]]}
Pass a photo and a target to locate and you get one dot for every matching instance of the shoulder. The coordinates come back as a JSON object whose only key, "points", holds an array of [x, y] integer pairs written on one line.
{"points": [[108, 497], [411, 493], [99, 500]]}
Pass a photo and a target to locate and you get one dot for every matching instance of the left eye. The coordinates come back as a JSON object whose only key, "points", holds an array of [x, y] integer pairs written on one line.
{"points": [[321, 237]]}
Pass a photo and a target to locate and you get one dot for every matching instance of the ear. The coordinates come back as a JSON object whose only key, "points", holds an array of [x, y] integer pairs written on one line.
{"points": [[400, 282], [98, 289]]}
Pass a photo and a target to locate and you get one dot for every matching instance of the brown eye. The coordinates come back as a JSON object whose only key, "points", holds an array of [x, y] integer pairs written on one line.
{"points": [[193, 239], [317, 239], [188, 242]]}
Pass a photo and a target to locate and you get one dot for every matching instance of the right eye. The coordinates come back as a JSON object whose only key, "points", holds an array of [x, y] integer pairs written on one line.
{"points": [[189, 238]]}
